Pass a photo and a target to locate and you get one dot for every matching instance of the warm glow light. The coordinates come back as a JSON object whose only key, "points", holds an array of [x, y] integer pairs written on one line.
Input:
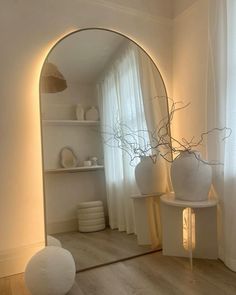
{"points": [[32, 78], [189, 229]]}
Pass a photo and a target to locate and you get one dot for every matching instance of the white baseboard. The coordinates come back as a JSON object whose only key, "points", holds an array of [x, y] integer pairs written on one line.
{"points": [[14, 261], [62, 226]]}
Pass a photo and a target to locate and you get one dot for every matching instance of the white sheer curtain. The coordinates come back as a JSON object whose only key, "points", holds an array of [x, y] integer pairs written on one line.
{"points": [[222, 112], [120, 100]]}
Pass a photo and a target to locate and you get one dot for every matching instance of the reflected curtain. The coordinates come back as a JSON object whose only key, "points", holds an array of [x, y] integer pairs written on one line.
{"points": [[221, 91], [120, 100]]}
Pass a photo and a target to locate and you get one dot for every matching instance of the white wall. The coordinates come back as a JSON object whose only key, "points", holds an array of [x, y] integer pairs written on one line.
{"points": [[61, 105], [28, 29], [64, 191], [190, 48], [85, 141]]}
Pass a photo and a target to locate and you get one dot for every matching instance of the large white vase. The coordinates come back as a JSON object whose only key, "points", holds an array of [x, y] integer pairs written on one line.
{"points": [[191, 177], [151, 177]]}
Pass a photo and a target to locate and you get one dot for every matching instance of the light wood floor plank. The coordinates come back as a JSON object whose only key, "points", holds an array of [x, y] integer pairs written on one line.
{"points": [[152, 274], [18, 285], [155, 274], [5, 286], [75, 290], [98, 248]]}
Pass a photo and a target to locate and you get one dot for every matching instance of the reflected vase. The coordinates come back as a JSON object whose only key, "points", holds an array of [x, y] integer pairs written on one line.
{"points": [[79, 112], [151, 177]]}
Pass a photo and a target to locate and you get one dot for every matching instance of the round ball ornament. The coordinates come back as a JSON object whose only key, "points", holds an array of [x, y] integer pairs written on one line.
{"points": [[51, 271]]}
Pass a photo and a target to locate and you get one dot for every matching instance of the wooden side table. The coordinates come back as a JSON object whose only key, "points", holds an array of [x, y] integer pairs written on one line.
{"points": [[189, 229], [147, 219]]}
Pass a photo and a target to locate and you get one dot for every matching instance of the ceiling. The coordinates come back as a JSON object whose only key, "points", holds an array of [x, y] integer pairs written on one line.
{"points": [[83, 55]]}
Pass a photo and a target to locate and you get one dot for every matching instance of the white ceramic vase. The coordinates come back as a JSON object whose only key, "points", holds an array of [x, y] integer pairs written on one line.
{"points": [[191, 177], [151, 177], [79, 112], [92, 114]]}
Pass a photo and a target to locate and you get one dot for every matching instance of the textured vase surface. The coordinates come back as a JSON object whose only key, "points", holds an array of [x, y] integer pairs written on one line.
{"points": [[191, 177], [92, 114], [151, 177]]}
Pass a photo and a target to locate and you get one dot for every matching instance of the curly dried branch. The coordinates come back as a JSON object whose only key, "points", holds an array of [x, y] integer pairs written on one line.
{"points": [[139, 143]]}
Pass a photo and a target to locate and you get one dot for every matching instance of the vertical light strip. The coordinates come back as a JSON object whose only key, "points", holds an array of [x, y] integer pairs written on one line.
{"points": [[189, 239]]}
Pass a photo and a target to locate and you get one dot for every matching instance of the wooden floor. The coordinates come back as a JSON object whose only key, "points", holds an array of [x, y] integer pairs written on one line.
{"points": [[13, 285], [151, 274], [98, 248]]}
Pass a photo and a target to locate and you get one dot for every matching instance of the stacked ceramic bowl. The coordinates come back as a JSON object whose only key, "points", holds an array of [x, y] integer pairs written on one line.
{"points": [[91, 216]]}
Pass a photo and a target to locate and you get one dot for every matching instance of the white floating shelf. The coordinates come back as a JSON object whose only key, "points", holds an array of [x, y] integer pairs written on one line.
{"points": [[74, 169], [71, 122]]}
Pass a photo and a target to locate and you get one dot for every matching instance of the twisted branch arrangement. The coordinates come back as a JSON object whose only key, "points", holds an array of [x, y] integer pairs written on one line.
{"points": [[159, 142]]}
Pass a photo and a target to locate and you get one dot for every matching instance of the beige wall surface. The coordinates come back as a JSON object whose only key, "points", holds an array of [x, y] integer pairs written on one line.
{"points": [[28, 29], [190, 62]]}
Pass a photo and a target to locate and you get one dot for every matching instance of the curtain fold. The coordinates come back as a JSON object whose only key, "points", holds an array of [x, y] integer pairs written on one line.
{"points": [[128, 95], [221, 94], [121, 101], [230, 146]]}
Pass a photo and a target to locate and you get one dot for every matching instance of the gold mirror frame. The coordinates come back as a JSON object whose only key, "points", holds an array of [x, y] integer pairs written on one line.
{"points": [[40, 100]]}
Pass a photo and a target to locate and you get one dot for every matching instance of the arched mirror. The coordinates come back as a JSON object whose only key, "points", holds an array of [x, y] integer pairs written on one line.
{"points": [[103, 101]]}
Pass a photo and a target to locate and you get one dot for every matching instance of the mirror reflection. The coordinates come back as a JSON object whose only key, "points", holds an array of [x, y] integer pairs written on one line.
{"points": [[101, 98]]}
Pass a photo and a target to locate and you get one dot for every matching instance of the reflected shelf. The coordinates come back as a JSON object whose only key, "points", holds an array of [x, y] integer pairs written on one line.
{"points": [[74, 169], [71, 122]]}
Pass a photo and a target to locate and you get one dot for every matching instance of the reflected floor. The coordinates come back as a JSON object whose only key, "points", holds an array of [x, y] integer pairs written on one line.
{"points": [[103, 247]]}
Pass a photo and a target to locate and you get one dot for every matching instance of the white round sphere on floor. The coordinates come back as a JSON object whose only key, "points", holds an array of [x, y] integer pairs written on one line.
{"points": [[51, 241], [51, 271]]}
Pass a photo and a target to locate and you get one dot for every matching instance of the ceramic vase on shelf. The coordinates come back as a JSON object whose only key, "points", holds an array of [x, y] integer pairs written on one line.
{"points": [[79, 112], [92, 114], [191, 177], [151, 177]]}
